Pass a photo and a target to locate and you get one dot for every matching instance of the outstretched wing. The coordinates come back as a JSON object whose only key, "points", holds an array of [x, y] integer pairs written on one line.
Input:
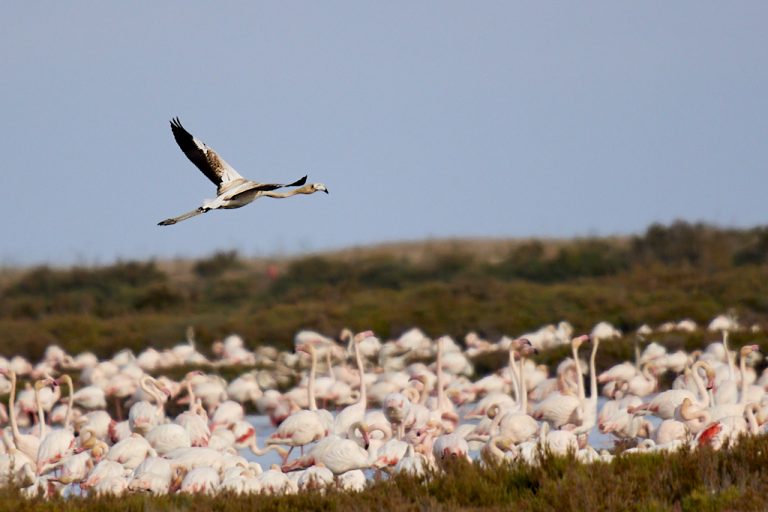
{"points": [[273, 186], [204, 157]]}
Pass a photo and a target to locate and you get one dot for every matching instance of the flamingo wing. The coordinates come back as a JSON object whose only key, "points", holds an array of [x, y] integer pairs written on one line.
{"points": [[203, 156]]}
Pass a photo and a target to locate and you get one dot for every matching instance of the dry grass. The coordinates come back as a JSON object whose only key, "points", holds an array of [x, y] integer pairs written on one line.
{"points": [[701, 480]]}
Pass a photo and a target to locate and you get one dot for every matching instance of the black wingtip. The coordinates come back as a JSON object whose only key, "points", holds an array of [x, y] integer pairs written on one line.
{"points": [[298, 183]]}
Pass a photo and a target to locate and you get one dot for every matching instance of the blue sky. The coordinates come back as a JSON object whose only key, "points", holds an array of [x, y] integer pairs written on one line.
{"points": [[424, 119]]}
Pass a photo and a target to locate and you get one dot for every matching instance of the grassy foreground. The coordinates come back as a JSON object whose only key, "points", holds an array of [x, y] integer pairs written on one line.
{"points": [[701, 480]]}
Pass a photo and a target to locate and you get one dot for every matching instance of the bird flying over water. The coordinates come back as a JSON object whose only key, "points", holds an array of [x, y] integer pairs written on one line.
{"points": [[232, 190]]}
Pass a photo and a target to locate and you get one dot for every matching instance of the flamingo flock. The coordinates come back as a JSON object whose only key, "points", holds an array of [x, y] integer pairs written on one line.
{"points": [[361, 406]]}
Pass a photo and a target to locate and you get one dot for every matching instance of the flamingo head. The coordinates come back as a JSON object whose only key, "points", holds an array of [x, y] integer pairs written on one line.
{"points": [[306, 348], [319, 187], [359, 337], [748, 349]]}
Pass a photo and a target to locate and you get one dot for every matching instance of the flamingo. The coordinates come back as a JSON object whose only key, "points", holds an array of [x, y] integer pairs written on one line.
{"points": [[450, 447], [91, 398], [227, 413], [203, 480], [305, 426], [497, 450], [559, 408], [390, 453], [111, 486], [190, 458], [143, 416], [274, 481], [232, 190], [355, 412], [28, 444], [397, 408], [131, 452], [195, 422], [587, 412], [316, 478], [664, 404], [352, 481], [557, 442], [16, 467], [337, 454], [104, 470], [726, 429], [54, 446], [75, 468], [412, 463], [167, 437]]}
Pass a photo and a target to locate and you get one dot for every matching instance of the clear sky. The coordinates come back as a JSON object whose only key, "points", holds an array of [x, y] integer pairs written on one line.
{"points": [[424, 119]]}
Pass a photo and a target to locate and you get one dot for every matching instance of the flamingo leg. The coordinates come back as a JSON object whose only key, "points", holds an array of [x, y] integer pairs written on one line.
{"points": [[287, 454]]}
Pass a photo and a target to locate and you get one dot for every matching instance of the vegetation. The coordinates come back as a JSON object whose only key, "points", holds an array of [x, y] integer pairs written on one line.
{"points": [[670, 272], [701, 480]]}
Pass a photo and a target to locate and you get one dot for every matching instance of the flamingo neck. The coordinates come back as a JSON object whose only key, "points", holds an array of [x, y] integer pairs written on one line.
{"points": [[728, 358], [329, 363], [646, 372], [743, 369], [154, 393], [522, 389], [593, 372], [496, 421], [40, 413], [346, 334], [70, 401], [579, 376], [699, 384], [311, 384], [12, 408], [515, 375], [494, 449], [361, 371], [191, 393]]}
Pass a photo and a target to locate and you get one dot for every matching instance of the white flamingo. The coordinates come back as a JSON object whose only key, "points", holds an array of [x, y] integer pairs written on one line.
{"points": [[232, 190], [354, 412]]}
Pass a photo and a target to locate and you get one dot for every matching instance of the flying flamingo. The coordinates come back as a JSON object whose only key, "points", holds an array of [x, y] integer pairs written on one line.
{"points": [[232, 190]]}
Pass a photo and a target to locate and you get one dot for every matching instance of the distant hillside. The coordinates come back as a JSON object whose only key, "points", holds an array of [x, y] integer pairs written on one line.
{"points": [[443, 286]]}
